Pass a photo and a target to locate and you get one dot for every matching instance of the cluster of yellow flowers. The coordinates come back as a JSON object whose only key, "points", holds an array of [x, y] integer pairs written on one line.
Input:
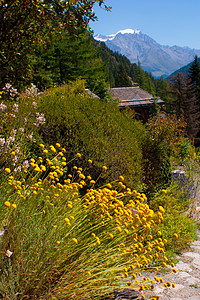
{"points": [[120, 224]]}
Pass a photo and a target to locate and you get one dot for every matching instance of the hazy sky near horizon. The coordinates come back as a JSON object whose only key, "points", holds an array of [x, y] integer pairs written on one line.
{"points": [[169, 22]]}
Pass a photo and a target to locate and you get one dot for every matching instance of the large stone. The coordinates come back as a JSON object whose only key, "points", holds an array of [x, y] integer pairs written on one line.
{"points": [[181, 266], [194, 297], [183, 274], [192, 280], [126, 294]]}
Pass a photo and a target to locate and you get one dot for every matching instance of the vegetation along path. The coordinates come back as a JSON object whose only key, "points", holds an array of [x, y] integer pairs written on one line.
{"points": [[187, 277]]}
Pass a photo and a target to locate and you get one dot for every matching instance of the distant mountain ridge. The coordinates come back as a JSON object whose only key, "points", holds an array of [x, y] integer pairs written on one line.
{"points": [[184, 69], [154, 58]]}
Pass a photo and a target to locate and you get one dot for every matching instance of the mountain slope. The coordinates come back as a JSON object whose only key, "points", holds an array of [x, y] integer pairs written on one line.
{"points": [[184, 69], [154, 58]]}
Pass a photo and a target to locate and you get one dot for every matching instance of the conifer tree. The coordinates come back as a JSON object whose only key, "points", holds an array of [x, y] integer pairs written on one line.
{"points": [[25, 23], [194, 76], [122, 79], [68, 58]]}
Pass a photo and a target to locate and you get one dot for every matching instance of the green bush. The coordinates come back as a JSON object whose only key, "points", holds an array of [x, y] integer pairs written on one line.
{"points": [[175, 201], [98, 130]]}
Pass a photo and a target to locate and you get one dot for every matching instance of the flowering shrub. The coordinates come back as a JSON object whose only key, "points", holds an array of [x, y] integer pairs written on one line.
{"points": [[19, 123], [164, 144], [59, 245]]}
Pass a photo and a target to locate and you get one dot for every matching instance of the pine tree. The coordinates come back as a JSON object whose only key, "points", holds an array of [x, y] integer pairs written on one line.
{"points": [[191, 111], [194, 76], [68, 58], [122, 79]]}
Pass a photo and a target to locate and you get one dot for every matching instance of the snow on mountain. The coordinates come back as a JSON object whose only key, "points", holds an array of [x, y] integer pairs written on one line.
{"points": [[153, 57], [104, 38]]}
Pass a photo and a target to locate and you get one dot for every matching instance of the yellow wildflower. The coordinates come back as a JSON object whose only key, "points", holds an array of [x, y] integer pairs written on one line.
{"points": [[67, 221], [164, 191], [7, 170], [43, 168], [78, 155], [14, 205], [162, 210], [7, 203], [174, 270], [75, 240], [176, 235]]}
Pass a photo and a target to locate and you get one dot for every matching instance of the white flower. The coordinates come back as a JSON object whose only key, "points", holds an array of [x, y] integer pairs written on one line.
{"points": [[2, 106], [34, 104], [15, 107], [25, 164], [2, 142], [18, 169], [8, 253]]}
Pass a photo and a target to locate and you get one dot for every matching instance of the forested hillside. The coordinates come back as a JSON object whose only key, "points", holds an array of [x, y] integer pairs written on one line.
{"points": [[69, 57]]}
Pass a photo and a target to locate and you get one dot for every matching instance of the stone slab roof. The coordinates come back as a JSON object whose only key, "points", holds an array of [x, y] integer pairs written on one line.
{"points": [[133, 96], [91, 94]]}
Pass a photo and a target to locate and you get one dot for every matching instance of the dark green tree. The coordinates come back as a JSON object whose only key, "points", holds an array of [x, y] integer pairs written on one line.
{"points": [[194, 72], [194, 77], [67, 58], [122, 77], [25, 23]]}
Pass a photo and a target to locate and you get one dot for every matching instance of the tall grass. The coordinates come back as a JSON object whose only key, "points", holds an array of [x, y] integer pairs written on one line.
{"points": [[58, 245]]}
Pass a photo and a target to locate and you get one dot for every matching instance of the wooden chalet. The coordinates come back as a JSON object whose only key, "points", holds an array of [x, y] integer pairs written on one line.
{"points": [[135, 98]]}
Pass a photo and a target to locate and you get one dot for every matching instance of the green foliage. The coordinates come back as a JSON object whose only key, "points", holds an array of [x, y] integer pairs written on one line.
{"points": [[95, 129], [122, 77], [163, 143], [67, 58], [175, 201], [27, 23]]}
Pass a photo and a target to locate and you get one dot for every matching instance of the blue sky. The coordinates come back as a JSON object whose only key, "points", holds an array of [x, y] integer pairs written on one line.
{"points": [[169, 22]]}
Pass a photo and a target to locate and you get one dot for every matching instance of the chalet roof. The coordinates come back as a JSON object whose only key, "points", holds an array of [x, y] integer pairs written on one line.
{"points": [[91, 94], [133, 96]]}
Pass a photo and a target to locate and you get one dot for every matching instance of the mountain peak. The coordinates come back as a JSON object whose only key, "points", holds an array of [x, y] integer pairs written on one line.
{"points": [[110, 37], [129, 31], [153, 57]]}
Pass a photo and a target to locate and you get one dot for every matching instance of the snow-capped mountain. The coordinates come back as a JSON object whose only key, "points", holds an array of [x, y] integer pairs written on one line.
{"points": [[154, 58], [104, 38]]}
